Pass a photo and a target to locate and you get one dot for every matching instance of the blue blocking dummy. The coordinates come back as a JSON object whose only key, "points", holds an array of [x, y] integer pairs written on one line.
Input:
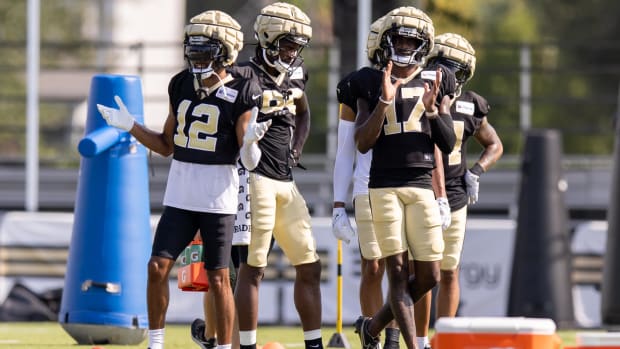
{"points": [[104, 296]]}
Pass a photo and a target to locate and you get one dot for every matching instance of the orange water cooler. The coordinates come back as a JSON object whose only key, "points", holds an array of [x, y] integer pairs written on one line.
{"points": [[495, 333]]}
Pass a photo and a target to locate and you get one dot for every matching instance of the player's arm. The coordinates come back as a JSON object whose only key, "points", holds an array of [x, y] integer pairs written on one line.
{"points": [[368, 124], [492, 144], [493, 149], [161, 143], [439, 178], [246, 117], [302, 126], [242, 125], [345, 155], [439, 187], [343, 172], [250, 153], [442, 126]]}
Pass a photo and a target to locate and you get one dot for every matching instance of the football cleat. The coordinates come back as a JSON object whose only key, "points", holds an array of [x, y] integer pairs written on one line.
{"points": [[197, 330], [367, 341]]}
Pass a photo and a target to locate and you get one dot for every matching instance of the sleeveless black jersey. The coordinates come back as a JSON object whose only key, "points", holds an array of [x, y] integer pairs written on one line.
{"points": [[205, 126], [403, 154], [278, 104], [468, 112]]}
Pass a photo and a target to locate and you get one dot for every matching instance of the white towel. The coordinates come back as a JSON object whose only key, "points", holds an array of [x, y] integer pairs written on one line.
{"points": [[243, 224]]}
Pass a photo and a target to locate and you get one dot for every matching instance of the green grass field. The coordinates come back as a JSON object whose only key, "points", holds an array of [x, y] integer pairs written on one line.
{"points": [[43, 335]]}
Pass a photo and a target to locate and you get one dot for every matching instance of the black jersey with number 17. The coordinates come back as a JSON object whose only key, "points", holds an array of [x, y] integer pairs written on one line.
{"points": [[205, 125], [403, 154]]}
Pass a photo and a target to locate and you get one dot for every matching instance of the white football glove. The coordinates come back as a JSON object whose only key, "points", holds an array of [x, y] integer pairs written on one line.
{"points": [[341, 227], [473, 185], [255, 131], [119, 118], [444, 212]]}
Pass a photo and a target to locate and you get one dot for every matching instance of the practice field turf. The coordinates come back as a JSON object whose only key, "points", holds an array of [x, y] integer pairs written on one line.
{"points": [[46, 335]]}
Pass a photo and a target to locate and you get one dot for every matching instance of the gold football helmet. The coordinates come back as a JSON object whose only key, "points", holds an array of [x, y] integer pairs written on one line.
{"points": [[282, 21], [373, 43], [212, 37], [456, 52], [406, 22]]}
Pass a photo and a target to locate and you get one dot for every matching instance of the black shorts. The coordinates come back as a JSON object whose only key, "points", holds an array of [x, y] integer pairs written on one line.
{"points": [[177, 228]]}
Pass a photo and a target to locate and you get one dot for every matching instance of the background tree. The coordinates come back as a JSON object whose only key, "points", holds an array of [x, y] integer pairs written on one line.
{"points": [[575, 54], [61, 22], [586, 61]]}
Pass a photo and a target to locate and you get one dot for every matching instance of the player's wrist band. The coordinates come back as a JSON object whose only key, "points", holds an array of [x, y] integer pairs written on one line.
{"points": [[477, 169], [384, 101], [432, 115]]}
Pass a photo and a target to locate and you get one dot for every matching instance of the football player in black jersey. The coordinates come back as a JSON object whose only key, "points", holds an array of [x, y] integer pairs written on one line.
{"points": [[278, 208], [402, 113], [208, 116], [352, 166], [469, 113]]}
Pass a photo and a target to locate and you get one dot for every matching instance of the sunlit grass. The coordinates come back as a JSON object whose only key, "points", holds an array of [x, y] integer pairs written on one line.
{"points": [[40, 335]]}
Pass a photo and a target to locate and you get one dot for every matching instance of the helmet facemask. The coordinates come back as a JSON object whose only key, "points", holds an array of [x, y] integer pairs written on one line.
{"points": [[457, 54], [462, 72], [405, 56], [204, 55], [289, 46]]}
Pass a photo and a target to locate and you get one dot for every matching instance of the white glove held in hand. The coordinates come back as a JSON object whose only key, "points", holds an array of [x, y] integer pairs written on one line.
{"points": [[444, 212], [255, 131], [250, 153], [341, 227], [473, 185], [119, 118]]}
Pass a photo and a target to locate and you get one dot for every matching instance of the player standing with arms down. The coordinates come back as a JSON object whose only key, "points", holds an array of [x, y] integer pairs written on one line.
{"points": [[278, 208], [203, 331], [208, 115], [399, 119], [469, 113]]}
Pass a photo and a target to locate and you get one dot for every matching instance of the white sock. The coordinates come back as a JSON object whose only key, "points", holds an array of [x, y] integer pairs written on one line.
{"points": [[224, 346], [422, 341], [247, 337], [156, 339], [313, 334]]}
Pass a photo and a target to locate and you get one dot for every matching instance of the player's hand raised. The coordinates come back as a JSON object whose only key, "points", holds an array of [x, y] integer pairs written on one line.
{"points": [[431, 91], [119, 118], [255, 131], [389, 88]]}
